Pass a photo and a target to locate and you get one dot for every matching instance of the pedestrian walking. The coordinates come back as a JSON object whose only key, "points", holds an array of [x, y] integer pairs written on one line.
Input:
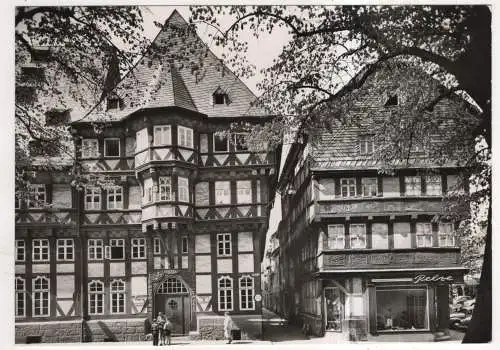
{"points": [[228, 327], [167, 330], [161, 321], [155, 330]]}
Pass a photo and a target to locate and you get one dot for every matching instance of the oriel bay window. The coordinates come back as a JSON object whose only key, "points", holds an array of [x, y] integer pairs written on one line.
{"points": [[357, 236], [115, 197], [244, 192], [112, 147], [165, 186], [95, 249], [40, 250], [413, 186], [246, 293], [224, 244], [424, 235], [92, 198], [433, 186], [184, 137], [65, 249], [336, 236], [40, 296], [369, 186], [117, 297], [222, 192], [96, 298], [446, 234], [20, 297], [142, 141], [225, 288], [348, 187], [162, 135], [90, 148], [183, 189]]}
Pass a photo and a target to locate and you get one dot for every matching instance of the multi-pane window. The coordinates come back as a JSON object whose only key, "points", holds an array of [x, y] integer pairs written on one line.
{"points": [[402, 235], [162, 135], [240, 142], [40, 296], [90, 148], [184, 245], [96, 298], [40, 250], [172, 286], [142, 141], [244, 192], [224, 244], [222, 192], [413, 186], [433, 185], [112, 147], [336, 237], [185, 137], [138, 248], [115, 197], [117, 248], [246, 293], [37, 195], [117, 297], [65, 249], [424, 235], [380, 236], [95, 249], [157, 246], [165, 187], [366, 144], [20, 250], [183, 188], [225, 285], [357, 236], [221, 143], [348, 187], [20, 297], [92, 198], [446, 234], [369, 186]]}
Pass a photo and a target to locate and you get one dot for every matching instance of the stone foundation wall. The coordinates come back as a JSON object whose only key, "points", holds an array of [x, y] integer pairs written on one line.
{"points": [[118, 330], [49, 332], [211, 327], [313, 323]]}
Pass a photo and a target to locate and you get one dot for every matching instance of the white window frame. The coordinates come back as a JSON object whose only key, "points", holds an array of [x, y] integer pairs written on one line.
{"points": [[348, 183], [423, 231], [41, 248], [20, 295], [106, 148], [224, 199], [365, 184], [116, 242], [336, 236], [117, 301], [96, 297], [183, 189], [249, 294], [113, 193], [20, 249], [449, 236], [165, 188], [437, 186], [90, 148], [138, 250], [353, 237], [156, 246], [227, 143], [224, 243], [37, 195], [224, 292], [235, 141], [414, 181], [185, 133], [92, 193], [43, 295], [142, 140], [67, 245], [366, 144], [162, 135], [95, 249], [241, 197]]}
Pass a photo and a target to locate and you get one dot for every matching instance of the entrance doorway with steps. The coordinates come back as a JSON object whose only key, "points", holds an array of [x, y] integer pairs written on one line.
{"points": [[334, 309], [172, 298]]}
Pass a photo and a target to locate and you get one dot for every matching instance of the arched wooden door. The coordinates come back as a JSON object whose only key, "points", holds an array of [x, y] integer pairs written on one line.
{"points": [[172, 298]]}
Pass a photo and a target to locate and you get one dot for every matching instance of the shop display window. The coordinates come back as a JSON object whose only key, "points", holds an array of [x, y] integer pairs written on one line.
{"points": [[400, 309], [334, 309]]}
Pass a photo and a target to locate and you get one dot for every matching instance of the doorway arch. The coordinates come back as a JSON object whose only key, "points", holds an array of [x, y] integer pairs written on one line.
{"points": [[172, 297]]}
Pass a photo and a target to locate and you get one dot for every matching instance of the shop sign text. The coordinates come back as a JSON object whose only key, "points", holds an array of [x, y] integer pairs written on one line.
{"points": [[435, 278]]}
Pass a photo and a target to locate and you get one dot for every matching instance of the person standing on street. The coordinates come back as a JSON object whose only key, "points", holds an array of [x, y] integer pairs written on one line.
{"points": [[155, 332], [228, 327], [167, 330], [161, 321]]}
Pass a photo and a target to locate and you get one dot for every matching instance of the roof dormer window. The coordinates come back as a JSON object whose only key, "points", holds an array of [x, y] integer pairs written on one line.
{"points": [[392, 100], [112, 103], [220, 97]]}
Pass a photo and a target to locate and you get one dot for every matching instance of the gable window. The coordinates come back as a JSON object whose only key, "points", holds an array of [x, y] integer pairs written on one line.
{"points": [[115, 198], [185, 137], [138, 248], [156, 246], [366, 144], [162, 135], [92, 198], [20, 297], [40, 250], [357, 235], [222, 192], [240, 142], [90, 148], [20, 250], [117, 297], [40, 296], [446, 234], [37, 196], [413, 186], [117, 248], [223, 244], [65, 250], [183, 187], [112, 147], [433, 185], [95, 249], [369, 186], [348, 187], [96, 298], [165, 188], [244, 192], [221, 143], [336, 236], [246, 293], [225, 285], [424, 235]]}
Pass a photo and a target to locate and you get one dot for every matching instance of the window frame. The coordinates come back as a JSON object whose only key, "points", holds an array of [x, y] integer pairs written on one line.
{"points": [[364, 142], [335, 236], [225, 291], [20, 292], [413, 182], [99, 294], [112, 194], [183, 190], [184, 129], [248, 296], [87, 150], [368, 185], [20, 249], [44, 296], [106, 147], [164, 135], [348, 185], [352, 236], [165, 188], [43, 249], [450, 234], [116, 243], [68, 249], [95, 192], [157, 246], [35, 192], [236, 143], [223, 242], [425, 233], [117, 296], [227, 143], [136, 252], [97, 245], [248, 198], [227, 197], [439, 185], [184, 244]]}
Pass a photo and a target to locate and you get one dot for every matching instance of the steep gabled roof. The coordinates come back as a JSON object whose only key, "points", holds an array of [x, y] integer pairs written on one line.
{"points": [[179, 70]]}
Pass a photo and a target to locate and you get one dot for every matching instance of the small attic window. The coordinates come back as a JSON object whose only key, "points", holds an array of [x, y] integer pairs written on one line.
{"points": [[220, 97], [392, 100], [112, 103]]}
